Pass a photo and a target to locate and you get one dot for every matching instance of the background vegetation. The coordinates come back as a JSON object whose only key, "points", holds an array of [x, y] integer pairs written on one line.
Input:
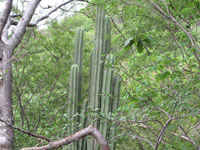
{"points": [[156, 44]]}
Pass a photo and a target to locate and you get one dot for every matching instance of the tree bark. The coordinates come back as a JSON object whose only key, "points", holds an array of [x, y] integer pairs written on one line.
{"points": [[6, 132], [6, 49]]}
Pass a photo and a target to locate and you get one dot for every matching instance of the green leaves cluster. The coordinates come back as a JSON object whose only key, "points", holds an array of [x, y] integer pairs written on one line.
{"points": [[139, 43], [159, 68]]}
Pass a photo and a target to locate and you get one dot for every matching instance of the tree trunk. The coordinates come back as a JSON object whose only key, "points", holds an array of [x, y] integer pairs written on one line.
{"points": [[6, 114]]}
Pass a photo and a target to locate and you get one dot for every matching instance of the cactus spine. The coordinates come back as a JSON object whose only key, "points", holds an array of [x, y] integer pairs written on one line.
{"points": [[73, 101], [106, 93]]}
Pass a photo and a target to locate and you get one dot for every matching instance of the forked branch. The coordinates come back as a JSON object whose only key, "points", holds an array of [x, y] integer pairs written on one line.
{"points": [[24, 21]]}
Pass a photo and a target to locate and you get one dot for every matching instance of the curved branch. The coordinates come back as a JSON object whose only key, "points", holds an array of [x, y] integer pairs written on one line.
{"points": [[34, 23], [22, 24], [75, 137], [4, 15], [52, 11]]}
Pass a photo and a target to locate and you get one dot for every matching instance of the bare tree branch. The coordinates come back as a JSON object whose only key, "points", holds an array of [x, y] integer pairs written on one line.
{"points": [[188, 139], [143, 139], [5, 31], [26, 132], [171, 18], [5, 14], [26, 18], [192, 39], [52, 11], [163, 111], [162, 133], [118, 29], [75, 137], [15, 22], [24, 21], [34, 23]]}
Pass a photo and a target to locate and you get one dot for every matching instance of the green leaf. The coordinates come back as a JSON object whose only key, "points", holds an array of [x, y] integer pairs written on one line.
{"points": [[192, 49], [140, 46], [163, 75], [129, 42], [147, 41]]}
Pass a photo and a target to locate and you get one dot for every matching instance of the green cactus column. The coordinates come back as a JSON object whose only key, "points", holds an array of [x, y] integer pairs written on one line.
{"points": [[96, 59], [78, 54], [83, 123], [116, 84], [95, 79], [72, 102], [107, 31], [106, 49], [106, 93]]}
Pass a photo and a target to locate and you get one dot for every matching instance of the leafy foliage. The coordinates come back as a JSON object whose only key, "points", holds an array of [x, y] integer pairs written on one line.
{"points": [[158, 62]]}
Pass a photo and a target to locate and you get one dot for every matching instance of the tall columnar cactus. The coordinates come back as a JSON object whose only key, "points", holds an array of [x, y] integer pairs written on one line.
{"points": [[107, 31], [83, 123], [106, 49], [102, 87], [78, 54], [96, 59], [116, 84], [72, 102], [95, 78], [106, 93]]}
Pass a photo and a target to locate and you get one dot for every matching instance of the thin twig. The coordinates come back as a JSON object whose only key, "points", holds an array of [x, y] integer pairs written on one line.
{"points": [[26, 132], [162, 132]]}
